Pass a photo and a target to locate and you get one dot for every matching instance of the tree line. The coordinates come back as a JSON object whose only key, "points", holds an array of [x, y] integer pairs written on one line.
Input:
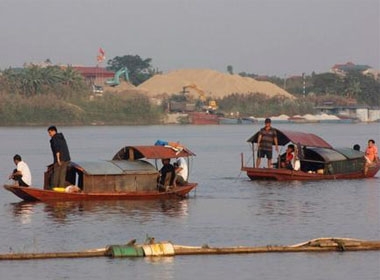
{"points": [[352, 87], [36, 94]]}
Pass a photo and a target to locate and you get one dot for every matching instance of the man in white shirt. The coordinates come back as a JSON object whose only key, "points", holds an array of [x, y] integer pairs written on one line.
{"points": [[21, 174], [182, 169]]}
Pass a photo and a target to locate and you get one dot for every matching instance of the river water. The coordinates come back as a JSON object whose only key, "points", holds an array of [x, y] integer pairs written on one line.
{"points": [[227, 209]]}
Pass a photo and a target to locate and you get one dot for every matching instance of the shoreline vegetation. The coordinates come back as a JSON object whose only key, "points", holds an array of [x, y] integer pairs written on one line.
{"points": [[36, 96], [47, 109], [132, 109]]}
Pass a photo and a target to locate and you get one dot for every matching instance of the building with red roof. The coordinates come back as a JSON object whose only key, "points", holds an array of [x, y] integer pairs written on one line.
{"points": [[94, 75]]}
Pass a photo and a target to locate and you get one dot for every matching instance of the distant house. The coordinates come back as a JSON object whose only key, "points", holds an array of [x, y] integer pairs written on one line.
{"points": [[372, 72], [94, 75], [342, 69]]}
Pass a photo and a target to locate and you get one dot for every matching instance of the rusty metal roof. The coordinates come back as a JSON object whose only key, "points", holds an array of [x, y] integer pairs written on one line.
{"points": [[304, 139], [115, 167], [151, 152]]}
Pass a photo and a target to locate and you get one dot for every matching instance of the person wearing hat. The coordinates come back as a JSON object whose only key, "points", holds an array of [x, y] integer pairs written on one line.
{"points": [[267, 136]]}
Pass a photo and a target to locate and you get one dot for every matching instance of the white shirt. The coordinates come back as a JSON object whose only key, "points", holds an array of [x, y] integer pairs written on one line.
{"points": [[25, 171], [184, 173]]}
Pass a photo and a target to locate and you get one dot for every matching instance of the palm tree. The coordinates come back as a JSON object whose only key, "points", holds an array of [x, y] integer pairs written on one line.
{"points": [[72, 78]]}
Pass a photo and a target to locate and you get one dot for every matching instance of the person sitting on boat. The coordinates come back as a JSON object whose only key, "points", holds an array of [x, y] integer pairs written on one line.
{"points": [[182, 170], [356, 147], [21, 175], [287, 159], [371, 155], [267, 136], [167, 175], [179, 180]]}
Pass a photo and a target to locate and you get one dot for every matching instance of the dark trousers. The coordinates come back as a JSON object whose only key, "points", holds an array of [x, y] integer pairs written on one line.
{"points": [[18, 178], [59, 174]]}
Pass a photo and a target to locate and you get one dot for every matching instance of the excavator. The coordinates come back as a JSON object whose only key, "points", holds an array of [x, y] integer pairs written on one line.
{"points": [[202, 96], [115, 81]]}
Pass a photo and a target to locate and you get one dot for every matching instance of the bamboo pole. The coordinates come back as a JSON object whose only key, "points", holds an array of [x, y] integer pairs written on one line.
{"points": [[316, 245], [185, 250], [54, 255]]}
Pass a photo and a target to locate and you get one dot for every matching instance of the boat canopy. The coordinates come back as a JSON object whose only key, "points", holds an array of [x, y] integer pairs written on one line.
{"points": [[304, 139], [350, 153], [328, 155], [114, 167], [151, 152]]}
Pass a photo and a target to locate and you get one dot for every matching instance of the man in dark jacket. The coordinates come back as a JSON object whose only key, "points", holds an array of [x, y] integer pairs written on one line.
{"points": [[167, 175], [61, 156]]}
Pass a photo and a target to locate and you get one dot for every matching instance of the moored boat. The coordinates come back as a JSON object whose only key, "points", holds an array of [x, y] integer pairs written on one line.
{"points": [[226, 120], [318, 160], [129, 175], [203, 118]]}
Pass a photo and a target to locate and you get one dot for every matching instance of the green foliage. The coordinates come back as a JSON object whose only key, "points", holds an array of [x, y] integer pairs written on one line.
{"points": [[365, 89], [354, 86], [79, 110], [35, 80], [116, 109], [260, 105], [36, 95], [38, 109], [139, 69], [326, 83]]}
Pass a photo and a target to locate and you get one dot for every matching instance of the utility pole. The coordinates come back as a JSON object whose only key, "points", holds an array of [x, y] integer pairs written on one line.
{"points": [[304, 84]]}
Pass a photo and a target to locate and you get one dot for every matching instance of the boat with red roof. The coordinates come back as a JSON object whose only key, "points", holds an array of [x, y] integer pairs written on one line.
{"points": [[318, 160], [130, 175]]}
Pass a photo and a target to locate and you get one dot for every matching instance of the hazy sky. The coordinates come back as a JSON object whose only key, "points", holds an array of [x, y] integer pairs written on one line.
{"points": [[273, 37]]}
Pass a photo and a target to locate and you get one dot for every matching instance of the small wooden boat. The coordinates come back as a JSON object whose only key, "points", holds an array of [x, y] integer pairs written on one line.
{"points": [[129, 175], [318, 160]]}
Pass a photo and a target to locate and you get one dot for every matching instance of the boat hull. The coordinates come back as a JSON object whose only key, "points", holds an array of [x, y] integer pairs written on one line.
{"points": [[200, 118], [36, 194], [289, 175]]}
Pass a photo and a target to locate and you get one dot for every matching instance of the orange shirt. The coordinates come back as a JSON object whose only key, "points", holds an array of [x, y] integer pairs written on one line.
{"points": [[289, 157], [371, 153]]}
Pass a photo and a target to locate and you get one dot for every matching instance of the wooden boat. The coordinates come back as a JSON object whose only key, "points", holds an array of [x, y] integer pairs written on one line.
{"points": [[129, 175], [318, 160], [199, 118]]}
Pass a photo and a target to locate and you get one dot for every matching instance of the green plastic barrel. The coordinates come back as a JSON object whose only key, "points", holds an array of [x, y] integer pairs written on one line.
{"points": [[120, 251]]}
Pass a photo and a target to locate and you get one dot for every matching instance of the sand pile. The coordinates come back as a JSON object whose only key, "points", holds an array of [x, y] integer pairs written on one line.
{"points": [[213, 83], [124, 86]]}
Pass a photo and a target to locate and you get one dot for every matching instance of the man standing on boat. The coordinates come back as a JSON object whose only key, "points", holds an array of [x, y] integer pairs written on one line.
{"points": [[61, 156], [267, 136]]}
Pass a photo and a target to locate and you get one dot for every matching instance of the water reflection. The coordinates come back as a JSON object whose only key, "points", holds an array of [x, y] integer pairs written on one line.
{"points": [[64, 211], [24, 211], [281, 199]]}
